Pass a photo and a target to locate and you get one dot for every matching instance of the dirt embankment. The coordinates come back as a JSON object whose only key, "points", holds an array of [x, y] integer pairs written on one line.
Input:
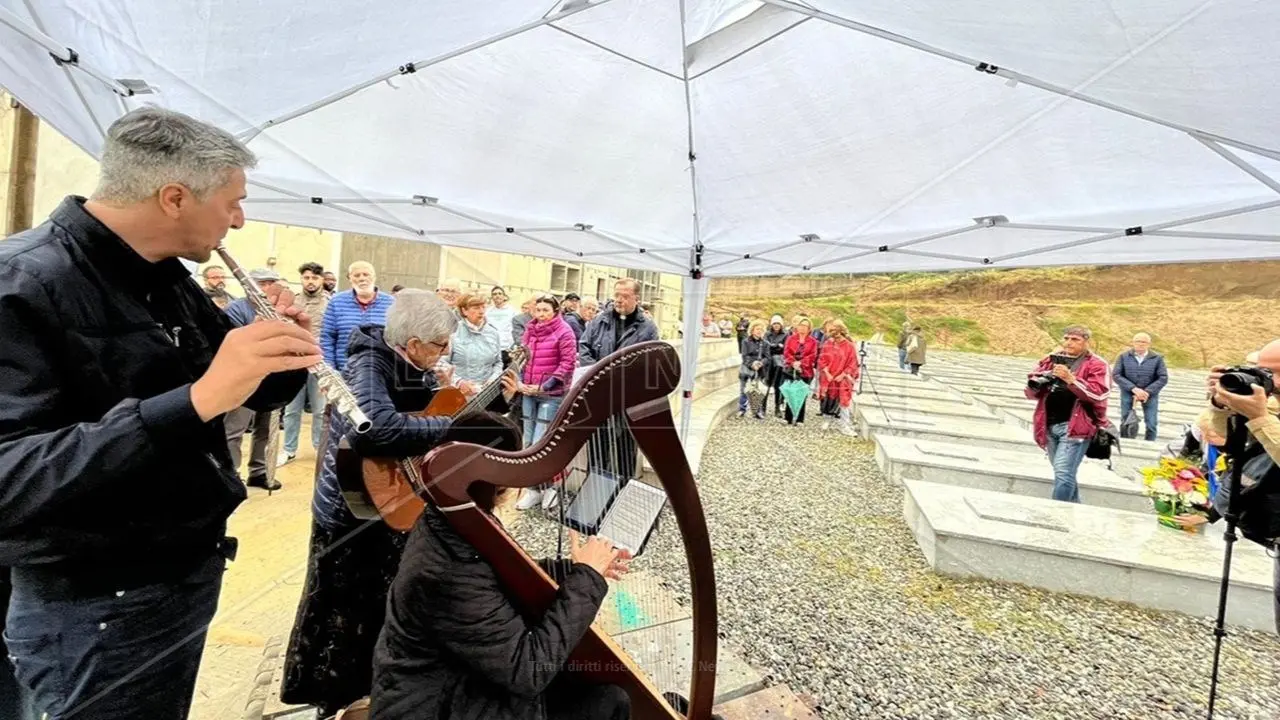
{"points": [[1198, 315]]}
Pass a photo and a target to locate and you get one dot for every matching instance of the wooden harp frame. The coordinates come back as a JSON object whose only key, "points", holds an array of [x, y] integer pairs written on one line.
{"points": [[634, 382]]}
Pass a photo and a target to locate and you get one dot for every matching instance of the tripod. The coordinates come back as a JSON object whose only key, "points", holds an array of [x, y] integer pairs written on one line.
{"points": [[1237, 435]]}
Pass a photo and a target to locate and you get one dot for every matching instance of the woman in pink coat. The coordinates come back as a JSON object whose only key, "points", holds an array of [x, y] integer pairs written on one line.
{"points": [[553, 355]]}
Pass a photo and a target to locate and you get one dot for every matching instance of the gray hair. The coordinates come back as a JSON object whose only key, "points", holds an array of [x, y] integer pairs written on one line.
{"points": [[1080, 330], [416, 313], [590, 302], [151, 147]]}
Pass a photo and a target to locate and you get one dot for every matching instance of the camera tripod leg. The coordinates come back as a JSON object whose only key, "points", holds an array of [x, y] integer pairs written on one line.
{"points": [[1236, 437]]}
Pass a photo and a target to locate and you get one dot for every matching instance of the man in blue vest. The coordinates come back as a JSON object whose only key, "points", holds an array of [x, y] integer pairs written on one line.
{"points": [[1141, 374]]}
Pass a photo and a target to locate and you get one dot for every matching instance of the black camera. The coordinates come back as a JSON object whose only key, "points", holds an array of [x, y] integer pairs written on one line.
{"points": [[1047, 380], [1042, 381], [1242, 380]]}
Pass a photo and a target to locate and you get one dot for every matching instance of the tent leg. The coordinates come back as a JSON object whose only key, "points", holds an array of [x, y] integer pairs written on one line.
{"points": [[695, 300]]}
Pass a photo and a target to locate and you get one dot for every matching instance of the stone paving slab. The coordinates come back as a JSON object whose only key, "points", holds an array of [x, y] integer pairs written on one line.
{"points": [[1100, 552]]}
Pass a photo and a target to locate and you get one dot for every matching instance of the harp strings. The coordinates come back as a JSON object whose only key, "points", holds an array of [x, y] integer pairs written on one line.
{"points": [[642, 610]]}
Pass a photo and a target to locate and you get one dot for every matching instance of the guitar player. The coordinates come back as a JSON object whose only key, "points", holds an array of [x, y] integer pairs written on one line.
{"points": [[353, 562]]}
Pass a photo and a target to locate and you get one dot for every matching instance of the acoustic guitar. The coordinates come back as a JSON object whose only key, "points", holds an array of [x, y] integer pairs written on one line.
{"points": [[390, 488]]}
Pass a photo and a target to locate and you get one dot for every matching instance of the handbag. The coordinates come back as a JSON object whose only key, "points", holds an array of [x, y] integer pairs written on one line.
{"points": [[1129, 425], [1104, 438]]}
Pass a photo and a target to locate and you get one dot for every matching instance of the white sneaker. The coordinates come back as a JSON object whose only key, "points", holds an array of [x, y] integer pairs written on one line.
{"points": [[284, 458], [826, 425], [529, 499], [549, 498], [849, 431]]}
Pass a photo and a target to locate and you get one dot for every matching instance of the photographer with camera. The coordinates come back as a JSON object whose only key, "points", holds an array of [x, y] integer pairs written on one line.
{"points": [[1249, 393], [1070, 388]]}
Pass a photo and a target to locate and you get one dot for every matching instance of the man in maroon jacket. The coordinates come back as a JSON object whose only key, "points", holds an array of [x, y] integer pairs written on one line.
{"points": [[1070, 388]]}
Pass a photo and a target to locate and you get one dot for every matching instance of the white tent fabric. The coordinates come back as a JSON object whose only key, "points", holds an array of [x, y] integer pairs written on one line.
{"points": [[780, 136], [710, 137]]}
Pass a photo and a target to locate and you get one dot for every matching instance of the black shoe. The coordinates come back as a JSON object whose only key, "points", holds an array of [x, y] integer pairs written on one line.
{"points": [[262, 482]]}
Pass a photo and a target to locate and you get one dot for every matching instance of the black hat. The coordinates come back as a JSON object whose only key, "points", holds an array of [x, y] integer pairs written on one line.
{"points": [[572, 296]]}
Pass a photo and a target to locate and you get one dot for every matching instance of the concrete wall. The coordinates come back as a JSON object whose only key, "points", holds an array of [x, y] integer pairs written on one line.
{"points": [[282, 248], [7, 113], [62, 169], [396, 262]]}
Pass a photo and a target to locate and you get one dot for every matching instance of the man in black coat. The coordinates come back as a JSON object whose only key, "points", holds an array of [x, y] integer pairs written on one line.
{"points": [[116, 370]]}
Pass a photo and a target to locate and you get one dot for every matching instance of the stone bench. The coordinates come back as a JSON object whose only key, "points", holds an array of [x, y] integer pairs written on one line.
{"points": [[947, 406], [997, 436], [867, 414], [1018, 473], [1087, 550]]}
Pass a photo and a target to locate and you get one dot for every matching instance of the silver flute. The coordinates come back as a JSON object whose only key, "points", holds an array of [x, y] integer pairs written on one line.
{"points": [[332, 386]]}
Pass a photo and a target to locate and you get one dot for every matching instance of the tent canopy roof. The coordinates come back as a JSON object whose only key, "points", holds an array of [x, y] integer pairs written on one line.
{"points": [[784, 137]]}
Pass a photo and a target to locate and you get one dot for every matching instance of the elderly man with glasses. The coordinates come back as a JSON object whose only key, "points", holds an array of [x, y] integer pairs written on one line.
{"points": [[1070, 387], [1141, 374]]}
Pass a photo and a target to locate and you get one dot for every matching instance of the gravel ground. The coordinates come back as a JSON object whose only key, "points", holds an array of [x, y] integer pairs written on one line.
{"points": [[822, 586]]}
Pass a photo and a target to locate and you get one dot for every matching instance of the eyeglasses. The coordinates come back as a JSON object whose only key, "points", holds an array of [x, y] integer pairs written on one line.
{"points": [[1072, 337], [443, 346]]}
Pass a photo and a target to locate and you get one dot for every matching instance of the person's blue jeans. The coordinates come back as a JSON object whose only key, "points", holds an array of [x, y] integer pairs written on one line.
{"points": [[1066, 454], [1150, 411], [310, 393], [742, 394], [538, 412], [902, 358], [127, 654]]}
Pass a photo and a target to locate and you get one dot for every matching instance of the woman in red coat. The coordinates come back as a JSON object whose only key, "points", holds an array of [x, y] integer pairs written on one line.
{"points": [[799, 359], [838, 371]]}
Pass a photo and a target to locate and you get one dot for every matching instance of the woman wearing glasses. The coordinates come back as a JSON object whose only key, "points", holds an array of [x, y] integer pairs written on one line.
{"points": [[351, 563]]}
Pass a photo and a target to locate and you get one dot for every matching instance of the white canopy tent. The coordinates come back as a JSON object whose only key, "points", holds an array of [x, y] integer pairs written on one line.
{"points": [[711, 137]]}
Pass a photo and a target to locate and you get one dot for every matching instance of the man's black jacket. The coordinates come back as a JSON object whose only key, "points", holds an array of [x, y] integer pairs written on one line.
{"points": [[107, 474]]}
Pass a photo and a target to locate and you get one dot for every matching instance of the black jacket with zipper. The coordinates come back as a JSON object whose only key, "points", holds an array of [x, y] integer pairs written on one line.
{"points": [[453, 646], [108, 477]]}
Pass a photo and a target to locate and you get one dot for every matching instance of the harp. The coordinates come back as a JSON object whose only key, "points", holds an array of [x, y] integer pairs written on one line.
{"points": [[631, 386]]}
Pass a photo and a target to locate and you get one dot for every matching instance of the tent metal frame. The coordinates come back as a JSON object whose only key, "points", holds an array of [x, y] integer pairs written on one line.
{"points": [[568, 9], [691, 259], [67, 58]]}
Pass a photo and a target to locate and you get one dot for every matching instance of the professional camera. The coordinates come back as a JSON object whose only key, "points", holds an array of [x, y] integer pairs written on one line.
{"points": [[1042, 381], [1047, 380], [1241, 380]]}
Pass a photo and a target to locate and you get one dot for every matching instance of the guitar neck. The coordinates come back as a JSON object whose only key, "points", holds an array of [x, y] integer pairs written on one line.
{"points": [[489, 392]]}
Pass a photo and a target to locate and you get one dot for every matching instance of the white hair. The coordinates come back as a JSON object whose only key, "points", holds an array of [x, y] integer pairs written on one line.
{"points": [[151, 147], [418, 314], [590, 302]]}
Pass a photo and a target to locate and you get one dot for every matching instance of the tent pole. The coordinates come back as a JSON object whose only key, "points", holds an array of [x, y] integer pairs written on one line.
{"points": [[1239, 162], [1140, 230], [694, 290]]}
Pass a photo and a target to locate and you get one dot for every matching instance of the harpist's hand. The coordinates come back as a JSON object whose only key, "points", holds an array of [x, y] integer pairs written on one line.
{"points": [[596, 552], [621, 565]]}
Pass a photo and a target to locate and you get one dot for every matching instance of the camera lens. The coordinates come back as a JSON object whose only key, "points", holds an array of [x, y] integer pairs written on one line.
{"points": [[1241, 381]]}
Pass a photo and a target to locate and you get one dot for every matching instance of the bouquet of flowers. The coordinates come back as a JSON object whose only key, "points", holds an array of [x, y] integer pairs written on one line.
{"points": [[1180, 492]]}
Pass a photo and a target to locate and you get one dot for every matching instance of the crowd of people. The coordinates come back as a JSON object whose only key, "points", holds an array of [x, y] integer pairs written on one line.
{"points": [[488, 327], [125, 385]]}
